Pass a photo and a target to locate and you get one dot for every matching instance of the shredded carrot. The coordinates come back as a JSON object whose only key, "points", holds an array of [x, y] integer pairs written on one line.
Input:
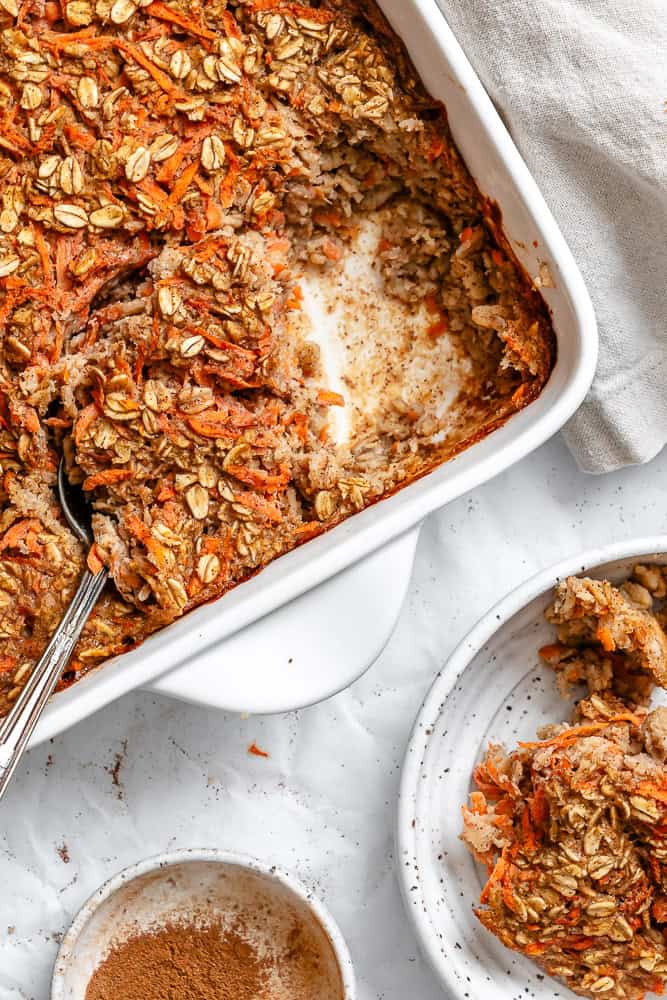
{"points": [[654, 791], [605, 637], [93, 561], [226, 190], [575, 732], [7, 664], [331, 250], [31, 421], [212, 425], [309, 529], [539, 807], [19, 532], [495, 877], [214, 215], [153, 191], [88, 38], [169, 168], [530, 840], [264, 481], [300, 421], [436, 148], [259, 505], [183, 183], [79, 136], [327, 398], [166, 492], [141, 531], [552, 652], [161, 78], [85, 36], [257, 751], [106, 478], [87, 417], [331, 217], [165, 13], [44, 257], [435, 329], [205, 185], [478, 804]]}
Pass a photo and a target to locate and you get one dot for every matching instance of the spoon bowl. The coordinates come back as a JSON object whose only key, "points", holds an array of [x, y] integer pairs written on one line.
{"points": [[75, 506], [17, 728]]}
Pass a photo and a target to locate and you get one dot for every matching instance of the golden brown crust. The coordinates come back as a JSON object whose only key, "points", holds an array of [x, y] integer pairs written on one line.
{"points": [[572, 829], [168, 172], [595, 611]]}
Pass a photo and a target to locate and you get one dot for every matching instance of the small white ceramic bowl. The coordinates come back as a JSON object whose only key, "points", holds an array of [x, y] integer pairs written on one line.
{"points": [[186, 884], [494, 689]]}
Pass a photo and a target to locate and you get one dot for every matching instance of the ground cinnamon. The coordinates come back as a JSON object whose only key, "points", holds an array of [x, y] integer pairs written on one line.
{"points": [[181, 962], [212, 962]]}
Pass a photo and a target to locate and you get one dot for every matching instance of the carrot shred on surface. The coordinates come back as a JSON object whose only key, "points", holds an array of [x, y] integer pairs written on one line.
{"points": [[93, 561], [106, 478], [259, 478], [649, 788], [166, 13], [325, 397], [19, 532], [576, 732], [7, 664]]}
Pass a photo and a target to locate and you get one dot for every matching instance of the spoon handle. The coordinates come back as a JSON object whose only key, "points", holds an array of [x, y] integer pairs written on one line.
{"points": [[16, 729]]}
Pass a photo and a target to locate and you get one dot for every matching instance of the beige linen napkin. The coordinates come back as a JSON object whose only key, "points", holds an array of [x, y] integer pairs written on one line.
{"points": [[581, 85]]}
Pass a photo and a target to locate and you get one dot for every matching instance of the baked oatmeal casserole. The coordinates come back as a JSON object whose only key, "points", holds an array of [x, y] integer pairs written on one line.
{"points": [[170, 174], [573, 827]]}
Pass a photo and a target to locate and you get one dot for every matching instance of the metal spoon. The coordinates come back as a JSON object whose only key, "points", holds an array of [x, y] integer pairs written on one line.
{"points": [[17, 728]]}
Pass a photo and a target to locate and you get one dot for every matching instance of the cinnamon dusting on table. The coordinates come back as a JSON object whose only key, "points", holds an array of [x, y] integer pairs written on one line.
{"points": [[114, 770]]}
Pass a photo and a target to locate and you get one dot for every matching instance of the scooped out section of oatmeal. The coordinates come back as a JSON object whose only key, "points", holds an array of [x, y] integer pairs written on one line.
{"points": [[247, 287]]}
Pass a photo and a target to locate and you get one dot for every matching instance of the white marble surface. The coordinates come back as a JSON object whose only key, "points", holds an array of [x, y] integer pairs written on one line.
{"points": [[323, 804]]}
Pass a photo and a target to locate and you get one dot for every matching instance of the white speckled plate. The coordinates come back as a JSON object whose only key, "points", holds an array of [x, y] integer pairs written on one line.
{"points": [[492, 689]]}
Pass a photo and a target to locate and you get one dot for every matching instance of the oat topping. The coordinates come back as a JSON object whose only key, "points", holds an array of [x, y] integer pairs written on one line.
{"points": [[169, 171], [573, 827], [592, 611]]}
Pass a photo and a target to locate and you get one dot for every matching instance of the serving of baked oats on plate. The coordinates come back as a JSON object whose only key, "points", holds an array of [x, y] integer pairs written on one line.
{"points": [[551, 874], [184, 188]]}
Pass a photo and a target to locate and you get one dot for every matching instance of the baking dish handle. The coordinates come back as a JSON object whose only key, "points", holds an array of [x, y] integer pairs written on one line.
{"points": [[307, 650]]}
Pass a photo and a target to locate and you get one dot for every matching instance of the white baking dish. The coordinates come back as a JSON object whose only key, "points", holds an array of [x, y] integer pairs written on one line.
{"points": [[501, 174]]}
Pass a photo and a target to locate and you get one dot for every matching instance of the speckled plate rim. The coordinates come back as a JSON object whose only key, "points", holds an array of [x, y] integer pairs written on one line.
{"points": [[161, 861], [454, 970]]}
